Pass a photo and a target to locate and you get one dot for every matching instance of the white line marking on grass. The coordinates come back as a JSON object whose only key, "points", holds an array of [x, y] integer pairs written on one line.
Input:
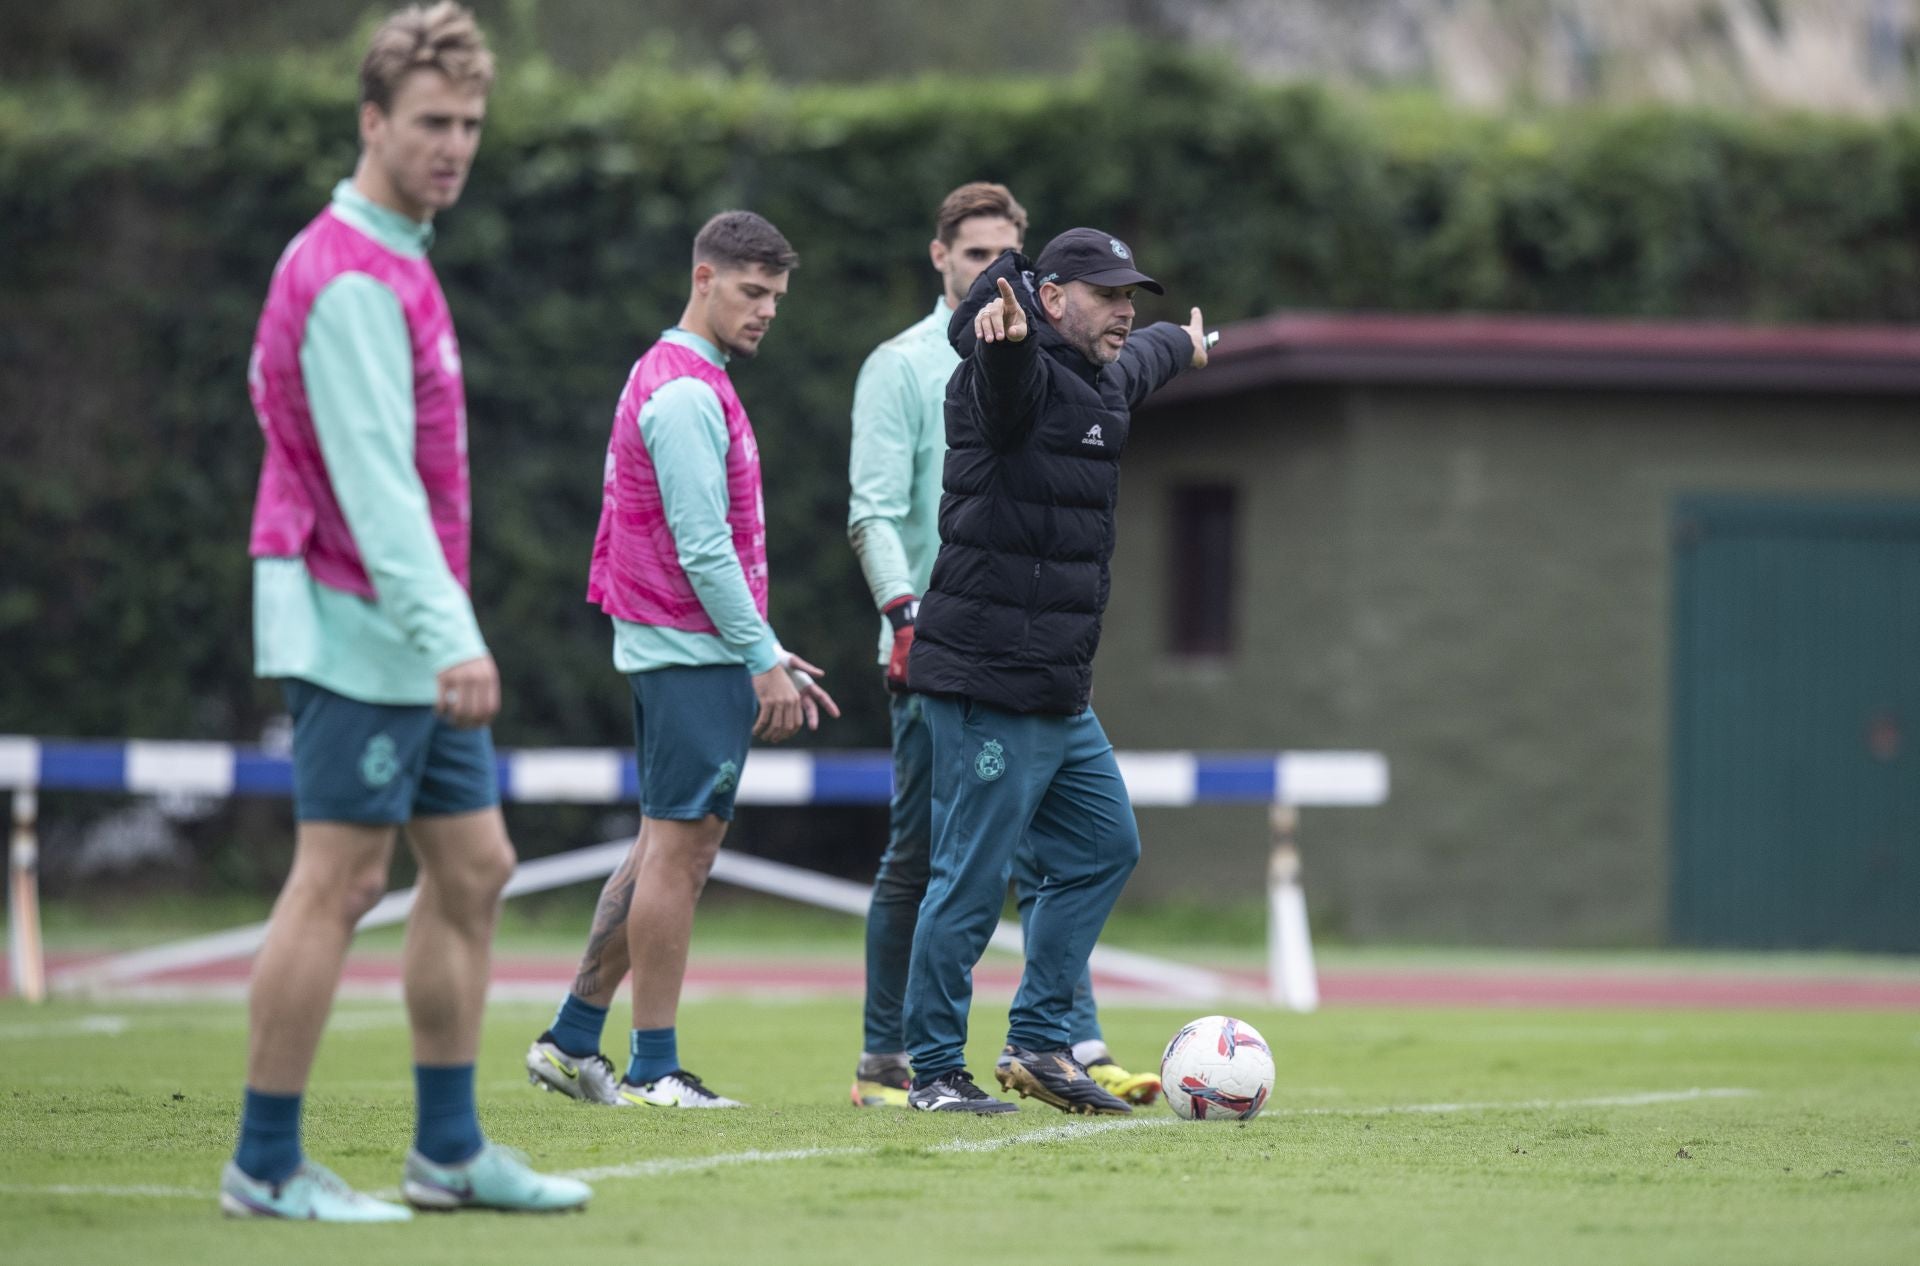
{"points": [[1070, 1132], [82, 1026], [693, 1164], [681, 1165], [118, 1025], [79, 1189], [1057, 1133], [1528, 1105]]}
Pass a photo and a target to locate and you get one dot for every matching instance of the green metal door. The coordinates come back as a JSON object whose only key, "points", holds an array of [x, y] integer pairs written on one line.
{"points": [[1796, 754]]}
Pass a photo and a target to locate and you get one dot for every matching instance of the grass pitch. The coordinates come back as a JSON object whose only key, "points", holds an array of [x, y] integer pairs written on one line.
{"points": [[1393, 1137]]}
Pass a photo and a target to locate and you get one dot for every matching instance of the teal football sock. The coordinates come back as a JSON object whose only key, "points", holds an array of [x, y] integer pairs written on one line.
{"points": [[656, 1052]]}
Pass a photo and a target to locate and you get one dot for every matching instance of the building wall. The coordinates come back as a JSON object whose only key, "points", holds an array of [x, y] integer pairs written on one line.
{"points": [[1284, 686], [1478, 583]]}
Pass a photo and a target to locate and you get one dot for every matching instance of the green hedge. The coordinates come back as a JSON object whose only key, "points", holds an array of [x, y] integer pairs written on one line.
{"points": [[135, 249]]}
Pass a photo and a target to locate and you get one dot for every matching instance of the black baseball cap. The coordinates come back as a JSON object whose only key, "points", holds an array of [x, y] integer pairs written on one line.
{"points": [[1093, 256]]}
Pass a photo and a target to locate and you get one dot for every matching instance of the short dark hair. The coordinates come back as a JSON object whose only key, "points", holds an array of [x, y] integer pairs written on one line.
{"points": [[982, 197], [737, 239]]}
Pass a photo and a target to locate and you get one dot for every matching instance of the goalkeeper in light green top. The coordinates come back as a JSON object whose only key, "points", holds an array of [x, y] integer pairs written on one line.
{"points": [[898, 453]]}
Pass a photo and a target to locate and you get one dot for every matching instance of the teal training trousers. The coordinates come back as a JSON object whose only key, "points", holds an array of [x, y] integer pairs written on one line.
{"points": [[998, 778]]}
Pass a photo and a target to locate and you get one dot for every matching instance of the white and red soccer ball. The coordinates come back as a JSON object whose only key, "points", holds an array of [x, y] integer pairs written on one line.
{"points": [[1217, 1068]]}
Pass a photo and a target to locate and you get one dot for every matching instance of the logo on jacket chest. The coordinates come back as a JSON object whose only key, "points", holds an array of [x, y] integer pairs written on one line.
{"points": [[1088, 433]]}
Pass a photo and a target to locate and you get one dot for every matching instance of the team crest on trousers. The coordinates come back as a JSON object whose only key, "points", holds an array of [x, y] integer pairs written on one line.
{"points": [[991, 762], [727, 777]]}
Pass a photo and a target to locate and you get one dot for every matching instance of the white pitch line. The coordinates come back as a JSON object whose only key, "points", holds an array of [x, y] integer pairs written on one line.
{"points": [[75, 1189], [681, 1165], [120, 1025], [1527, 1105], [1057, 1133], [81, 1026], [693, 1164]]}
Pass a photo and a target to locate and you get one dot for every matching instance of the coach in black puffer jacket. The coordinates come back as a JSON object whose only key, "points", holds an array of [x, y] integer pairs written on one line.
{"points": [[1021, 770], [1035, 429]]}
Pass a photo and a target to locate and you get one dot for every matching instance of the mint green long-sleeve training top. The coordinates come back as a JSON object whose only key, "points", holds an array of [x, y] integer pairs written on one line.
{"points": [[898, 449]]}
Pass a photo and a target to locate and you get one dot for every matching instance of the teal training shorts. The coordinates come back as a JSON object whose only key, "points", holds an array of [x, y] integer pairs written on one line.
{"points": [[378, 763], [691, 728]]}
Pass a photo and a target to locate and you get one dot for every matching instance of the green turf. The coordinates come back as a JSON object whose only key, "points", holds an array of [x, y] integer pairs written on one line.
{"points": [[1820, 1164]]}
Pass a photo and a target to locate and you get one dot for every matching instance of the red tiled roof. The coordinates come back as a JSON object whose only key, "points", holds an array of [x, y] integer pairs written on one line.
{"points": [[1549, 352]]}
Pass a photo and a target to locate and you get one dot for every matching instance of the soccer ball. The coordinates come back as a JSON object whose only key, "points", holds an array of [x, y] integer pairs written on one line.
{"points": [[1217, 1068]]}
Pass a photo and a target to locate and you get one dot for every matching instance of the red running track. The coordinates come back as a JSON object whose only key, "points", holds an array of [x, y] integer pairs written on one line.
{"points": [[1339, 986]]}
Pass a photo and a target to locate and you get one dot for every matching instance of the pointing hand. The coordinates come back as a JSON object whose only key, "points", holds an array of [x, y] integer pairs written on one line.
{"points": [[1001, 319], [1197, 331]]}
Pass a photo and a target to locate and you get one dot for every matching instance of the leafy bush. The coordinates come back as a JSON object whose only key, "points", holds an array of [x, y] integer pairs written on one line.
{"points": [[138, 245]]}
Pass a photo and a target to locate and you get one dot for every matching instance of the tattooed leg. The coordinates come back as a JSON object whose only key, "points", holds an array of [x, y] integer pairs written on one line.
{"points": [[605, 963]]}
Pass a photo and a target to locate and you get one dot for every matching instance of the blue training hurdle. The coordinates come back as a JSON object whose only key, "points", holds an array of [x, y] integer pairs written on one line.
{"points": [[607, 775], [1286, 781]]}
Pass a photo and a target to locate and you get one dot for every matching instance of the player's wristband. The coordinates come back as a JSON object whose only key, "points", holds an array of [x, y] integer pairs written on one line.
{"points": [[901, 612]]}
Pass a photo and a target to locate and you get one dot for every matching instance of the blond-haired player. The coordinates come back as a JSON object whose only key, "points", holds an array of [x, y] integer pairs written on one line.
{"points": [[361, 611]]}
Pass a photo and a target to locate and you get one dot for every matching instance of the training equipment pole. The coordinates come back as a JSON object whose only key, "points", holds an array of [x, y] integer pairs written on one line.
{"points": [[1291, 980], [26, 969]]}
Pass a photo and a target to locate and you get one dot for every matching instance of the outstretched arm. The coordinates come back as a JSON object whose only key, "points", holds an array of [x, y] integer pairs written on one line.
{"points": [[1005, 368], [1156, 355]]}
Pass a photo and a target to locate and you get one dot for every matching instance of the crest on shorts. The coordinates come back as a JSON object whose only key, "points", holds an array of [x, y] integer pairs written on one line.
{"points": [[380, 763], [991, 762], [726, 778]]}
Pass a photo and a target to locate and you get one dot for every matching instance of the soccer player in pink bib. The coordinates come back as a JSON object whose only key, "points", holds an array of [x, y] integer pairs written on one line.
{"points": [[680, 566], [361, 610]]}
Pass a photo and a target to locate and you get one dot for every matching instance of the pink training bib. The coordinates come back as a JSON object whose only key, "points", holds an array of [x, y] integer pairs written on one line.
{"points": [[636, 573], [296, 514]]}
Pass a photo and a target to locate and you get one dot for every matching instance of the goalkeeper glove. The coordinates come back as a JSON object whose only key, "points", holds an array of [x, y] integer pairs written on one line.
{"points": [[900, 614]]}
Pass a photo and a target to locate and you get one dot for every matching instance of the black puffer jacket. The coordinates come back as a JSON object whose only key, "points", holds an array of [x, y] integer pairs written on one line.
{"points": [[1034, 436]]}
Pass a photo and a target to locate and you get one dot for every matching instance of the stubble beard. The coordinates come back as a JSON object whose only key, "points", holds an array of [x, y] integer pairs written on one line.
{"points": [[1091, 342], [1093, 346]]}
